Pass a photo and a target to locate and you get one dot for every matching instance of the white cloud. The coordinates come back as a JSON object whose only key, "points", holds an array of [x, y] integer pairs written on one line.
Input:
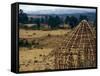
{"points": [[32, 8]]}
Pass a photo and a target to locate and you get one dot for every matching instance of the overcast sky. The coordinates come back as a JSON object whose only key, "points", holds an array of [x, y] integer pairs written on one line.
{"points": [[32, 8]]}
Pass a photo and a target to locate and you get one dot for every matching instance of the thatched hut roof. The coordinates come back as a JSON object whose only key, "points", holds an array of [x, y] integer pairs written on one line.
{"points": [[79, 51]]}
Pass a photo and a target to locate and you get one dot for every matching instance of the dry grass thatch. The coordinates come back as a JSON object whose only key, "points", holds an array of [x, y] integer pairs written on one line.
{"points": [[79, 51]]}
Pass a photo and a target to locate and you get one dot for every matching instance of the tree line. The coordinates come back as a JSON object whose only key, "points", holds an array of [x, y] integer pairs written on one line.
{"points": [[52, 21]]}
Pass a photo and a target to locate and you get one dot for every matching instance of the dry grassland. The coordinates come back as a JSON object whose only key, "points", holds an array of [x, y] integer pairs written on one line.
{"points": [[34, 59]]}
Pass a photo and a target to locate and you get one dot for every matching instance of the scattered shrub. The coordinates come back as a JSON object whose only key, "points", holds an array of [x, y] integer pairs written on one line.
{"points": [[34, 33], [41, 47], [40, 55], [49, 35], [35, 61], [65, 34], [24, 43]]}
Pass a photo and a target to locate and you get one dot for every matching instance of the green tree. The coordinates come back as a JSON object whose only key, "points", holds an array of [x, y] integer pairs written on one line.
{"points": [[67, 19], [57, 21], [50, 22], [23, 18], [83, 17], [72, 21], [42, 20], [54, 22], [38, 23], [31, 20]]}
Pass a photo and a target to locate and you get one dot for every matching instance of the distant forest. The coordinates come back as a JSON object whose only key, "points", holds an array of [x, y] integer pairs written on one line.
{"points": [[53, 21]]}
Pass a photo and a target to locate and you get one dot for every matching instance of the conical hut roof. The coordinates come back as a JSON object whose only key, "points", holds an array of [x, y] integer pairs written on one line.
{"points": [[79, 51]]}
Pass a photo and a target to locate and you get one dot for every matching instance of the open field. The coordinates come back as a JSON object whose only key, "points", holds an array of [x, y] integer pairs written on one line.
{"points": [[40, 33], [57, 49], [32, 59]]}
